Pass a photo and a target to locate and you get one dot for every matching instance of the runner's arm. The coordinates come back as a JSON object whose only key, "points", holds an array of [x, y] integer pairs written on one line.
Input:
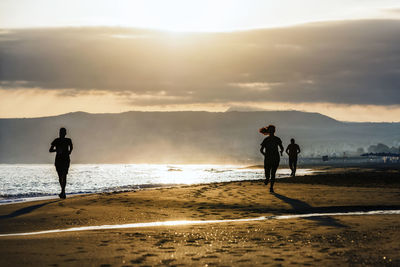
{"points": [[281, 146], [262, 150], [71, 147], [52, 149]]}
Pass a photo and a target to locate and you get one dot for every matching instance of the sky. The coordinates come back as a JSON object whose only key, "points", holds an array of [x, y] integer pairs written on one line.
{"points": [[188, 15], [339, 58]]}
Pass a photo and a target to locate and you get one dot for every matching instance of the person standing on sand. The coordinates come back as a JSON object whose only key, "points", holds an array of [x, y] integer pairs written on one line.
{"points": [[269, 148], [63, 148], [293, 150]]}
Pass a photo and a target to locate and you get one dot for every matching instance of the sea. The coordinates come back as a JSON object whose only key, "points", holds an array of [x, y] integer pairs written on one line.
{"points": [[28, 182]]}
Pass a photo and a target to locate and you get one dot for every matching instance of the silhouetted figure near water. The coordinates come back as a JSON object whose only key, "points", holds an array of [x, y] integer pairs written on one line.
{"points": [[269, 148], [63, 148], [293, 150]]}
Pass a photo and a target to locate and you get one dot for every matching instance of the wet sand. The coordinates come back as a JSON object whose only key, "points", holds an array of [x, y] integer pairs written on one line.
{"points": [[326, 240]]}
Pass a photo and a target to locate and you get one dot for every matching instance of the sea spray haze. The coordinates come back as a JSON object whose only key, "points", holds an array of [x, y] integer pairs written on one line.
{"points": [[185, 137]]}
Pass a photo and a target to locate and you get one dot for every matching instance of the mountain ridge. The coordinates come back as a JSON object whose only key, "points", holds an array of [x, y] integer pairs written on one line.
{"points": [[183, 136]]}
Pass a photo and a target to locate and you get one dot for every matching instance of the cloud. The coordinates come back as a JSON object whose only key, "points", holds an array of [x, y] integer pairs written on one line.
{"points": [[253, 86], [347, 62], [393, 11]]}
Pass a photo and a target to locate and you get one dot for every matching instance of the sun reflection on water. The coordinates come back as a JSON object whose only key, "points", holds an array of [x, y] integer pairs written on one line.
{"points": [[38, 180]]}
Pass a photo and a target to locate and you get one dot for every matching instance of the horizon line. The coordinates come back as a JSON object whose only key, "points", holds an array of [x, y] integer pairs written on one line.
{"points": [[177, 111]]}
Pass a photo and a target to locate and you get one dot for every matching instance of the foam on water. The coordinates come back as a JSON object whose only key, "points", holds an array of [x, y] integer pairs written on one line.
{"points": [[28, 182], [177, 223]]}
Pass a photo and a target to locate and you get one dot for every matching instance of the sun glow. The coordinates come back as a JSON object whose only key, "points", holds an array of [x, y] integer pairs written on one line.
{"points": [[186, 15], [180, 15]]}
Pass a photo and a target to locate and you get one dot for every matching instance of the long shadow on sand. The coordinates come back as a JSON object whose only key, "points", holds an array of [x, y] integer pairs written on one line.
{"points": [[25, 210], [246, 210], [303, 206]]}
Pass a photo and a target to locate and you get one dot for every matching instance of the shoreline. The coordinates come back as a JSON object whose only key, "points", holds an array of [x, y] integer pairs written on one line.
{"points": [[71, 195], [315, 175], [24, 199]]}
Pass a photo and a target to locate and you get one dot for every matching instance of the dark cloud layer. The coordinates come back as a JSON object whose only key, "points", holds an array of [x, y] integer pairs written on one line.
{"points": [[355, 62]]}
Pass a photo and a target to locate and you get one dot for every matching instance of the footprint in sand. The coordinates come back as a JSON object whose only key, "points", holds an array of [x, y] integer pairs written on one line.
{"points": [[162, 241], [138, 260], [150, 255], [210, 257], [134, 234], [168, 261]]}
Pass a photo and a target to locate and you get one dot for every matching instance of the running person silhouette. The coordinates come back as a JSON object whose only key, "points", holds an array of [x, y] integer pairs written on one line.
{"points": [[63, 148], [293, 150], [269, 148]]}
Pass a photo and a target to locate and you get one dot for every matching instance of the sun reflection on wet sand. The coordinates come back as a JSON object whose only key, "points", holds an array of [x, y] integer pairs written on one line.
{"points": [[185, 222]]}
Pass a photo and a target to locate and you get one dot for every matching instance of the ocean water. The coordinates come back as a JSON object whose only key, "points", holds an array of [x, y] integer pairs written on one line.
{"points": [[21, 181]]}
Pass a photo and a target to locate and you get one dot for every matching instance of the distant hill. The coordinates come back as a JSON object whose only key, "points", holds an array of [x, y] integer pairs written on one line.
{"points": [[183, 137]]}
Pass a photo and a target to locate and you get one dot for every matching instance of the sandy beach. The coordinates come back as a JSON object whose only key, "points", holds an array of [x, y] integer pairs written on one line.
{"points": [[312, 241]]}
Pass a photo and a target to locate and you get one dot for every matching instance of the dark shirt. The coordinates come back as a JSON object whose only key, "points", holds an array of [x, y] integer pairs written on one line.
{"points": [[271, 144], [62, 147], [293, 150]]}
